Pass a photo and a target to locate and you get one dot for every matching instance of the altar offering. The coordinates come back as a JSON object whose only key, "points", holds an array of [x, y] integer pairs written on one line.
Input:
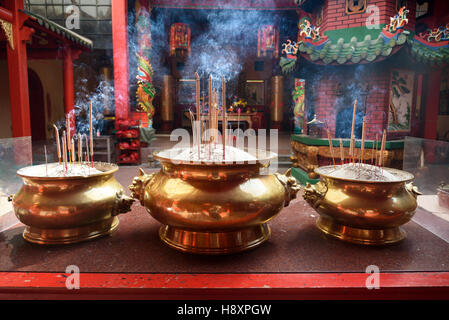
{"points": [[211, 198], [360, 202], [366, 208], [59, 207], [72, 200]]}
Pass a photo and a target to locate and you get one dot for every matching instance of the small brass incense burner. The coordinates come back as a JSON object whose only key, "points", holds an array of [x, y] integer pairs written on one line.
{"points": [[213, 208], [60, 210], [363, 212]]}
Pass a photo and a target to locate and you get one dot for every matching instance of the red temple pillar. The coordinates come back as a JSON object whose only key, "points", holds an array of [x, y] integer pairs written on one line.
{"points": [[120, 58], [69, 89], [18, 72], [432, 103]]}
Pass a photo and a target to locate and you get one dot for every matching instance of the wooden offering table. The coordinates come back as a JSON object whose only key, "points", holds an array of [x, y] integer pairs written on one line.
{"points": [[298, 262], [231, 117], [311, 152]]}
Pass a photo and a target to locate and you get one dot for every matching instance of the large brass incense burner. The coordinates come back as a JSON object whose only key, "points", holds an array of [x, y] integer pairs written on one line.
{"points": [[363, 212], [213, 208], [59, 210]]}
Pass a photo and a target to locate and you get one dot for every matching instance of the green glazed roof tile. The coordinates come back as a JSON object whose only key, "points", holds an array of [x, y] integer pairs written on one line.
{"points": [[58, 29], [430, 55]]}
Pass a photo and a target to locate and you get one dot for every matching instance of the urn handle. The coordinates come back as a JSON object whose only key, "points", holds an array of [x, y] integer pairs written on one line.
{"points": [[122, 203], [413, 189], [313, 194], [290, 185], [139, 184]]}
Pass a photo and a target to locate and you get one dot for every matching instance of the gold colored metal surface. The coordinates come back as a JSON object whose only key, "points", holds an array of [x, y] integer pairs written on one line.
{"points": [[167, 98], [277, 98], [59, 210], [363, 212], [213, 209]]}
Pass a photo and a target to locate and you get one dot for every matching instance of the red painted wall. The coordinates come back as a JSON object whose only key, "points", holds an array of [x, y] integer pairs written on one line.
{"points": [[326, 107]]}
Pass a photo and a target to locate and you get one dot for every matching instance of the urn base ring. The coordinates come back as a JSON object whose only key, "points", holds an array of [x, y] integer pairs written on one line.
{"points": [[214, 243], [360, 236], [72, 235]]}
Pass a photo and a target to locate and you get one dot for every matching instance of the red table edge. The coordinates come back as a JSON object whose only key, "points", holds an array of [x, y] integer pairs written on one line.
{"points": [[284, 286]]}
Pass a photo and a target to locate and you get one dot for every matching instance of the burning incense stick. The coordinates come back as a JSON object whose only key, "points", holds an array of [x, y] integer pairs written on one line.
{"points": [[87, 148], [331, 147], [203, 103], [223, 108], [198, 116], [91, 137], [46, 162], [64, 149], [192, 123], [342, 157], [73, 150], [58, 146], [351, 148], [238, 126], [68, 137], [382, 148], [80, 149], [375, 154], [362, 151], [210, 107]]}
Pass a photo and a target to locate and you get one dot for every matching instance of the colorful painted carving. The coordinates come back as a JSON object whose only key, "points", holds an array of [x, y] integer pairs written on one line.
{"points": [[439, 34], [307, 31], [145, 90], [179, 38], [268, 41], [398, 22], [290, 49], [298, 95]]}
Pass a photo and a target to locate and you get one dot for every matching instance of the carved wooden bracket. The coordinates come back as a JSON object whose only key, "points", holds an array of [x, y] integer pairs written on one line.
{"points": [[7, 28]]}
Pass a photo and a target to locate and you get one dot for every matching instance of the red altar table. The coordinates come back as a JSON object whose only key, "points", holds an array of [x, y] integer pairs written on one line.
{"points": [[298, 262]]}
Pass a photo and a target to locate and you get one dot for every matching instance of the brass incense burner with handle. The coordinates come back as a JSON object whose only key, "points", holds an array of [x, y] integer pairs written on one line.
{"points": [[60, 210], [213, 208], [363, 212]]}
